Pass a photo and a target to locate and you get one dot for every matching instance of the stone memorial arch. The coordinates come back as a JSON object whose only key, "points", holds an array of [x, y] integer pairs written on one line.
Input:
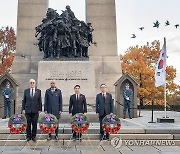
{"points": [[6, 77], [119, 87], [103, 59]]}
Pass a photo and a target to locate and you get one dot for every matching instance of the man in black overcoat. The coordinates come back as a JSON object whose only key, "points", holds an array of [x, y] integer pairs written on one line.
{"points": [[32, 106], [53, 104]]}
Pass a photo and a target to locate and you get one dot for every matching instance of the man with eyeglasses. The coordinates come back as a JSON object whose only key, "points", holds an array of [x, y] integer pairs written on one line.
{"points": [[104, 106], [53, 104], [32, 106]]}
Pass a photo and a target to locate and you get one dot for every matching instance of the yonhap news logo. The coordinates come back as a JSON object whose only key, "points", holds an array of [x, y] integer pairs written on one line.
{"points": [[117, 142], [149, 142]]}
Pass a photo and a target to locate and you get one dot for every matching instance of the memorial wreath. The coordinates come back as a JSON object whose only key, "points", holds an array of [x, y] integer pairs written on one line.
{"points": [[48, 123], [79, 123], [111, 123], [17, 123]]}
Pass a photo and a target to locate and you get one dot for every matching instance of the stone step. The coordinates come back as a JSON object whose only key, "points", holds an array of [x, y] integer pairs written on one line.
{"points": [[94, 136], [64, 143], [124, 130], [90, 131]]}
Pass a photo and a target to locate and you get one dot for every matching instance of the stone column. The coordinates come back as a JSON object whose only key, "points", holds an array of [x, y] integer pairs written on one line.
{"points": [[30, 14], [102, 15], [25, 65]]}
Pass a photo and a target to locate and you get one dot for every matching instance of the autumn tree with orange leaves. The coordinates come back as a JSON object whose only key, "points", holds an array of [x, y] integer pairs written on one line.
{"points": [[140, 63], [7, 48]]}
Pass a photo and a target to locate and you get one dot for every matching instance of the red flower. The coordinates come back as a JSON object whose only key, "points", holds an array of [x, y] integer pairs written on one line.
{"points": [[73, 125], [10, 125], [119, 125], [75, 129]]}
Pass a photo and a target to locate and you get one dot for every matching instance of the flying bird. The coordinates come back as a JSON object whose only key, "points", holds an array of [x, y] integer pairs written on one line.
{"points": [[167, 23], [141, 28], [156, 24], [177, 25], [133, 36]]}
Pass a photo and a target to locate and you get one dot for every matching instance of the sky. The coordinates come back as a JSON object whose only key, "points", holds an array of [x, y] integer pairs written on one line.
{"points": [[130, 15]]}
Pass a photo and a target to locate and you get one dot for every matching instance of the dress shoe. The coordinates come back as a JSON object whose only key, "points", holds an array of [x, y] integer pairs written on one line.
{"points": [[49, 137], [4, 117], [102, 137], [28, 139], [107, 137], [56, 138], [34, 139]]}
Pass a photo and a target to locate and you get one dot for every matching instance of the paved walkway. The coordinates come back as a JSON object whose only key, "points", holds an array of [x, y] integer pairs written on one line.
{"points": [[92, 150]]}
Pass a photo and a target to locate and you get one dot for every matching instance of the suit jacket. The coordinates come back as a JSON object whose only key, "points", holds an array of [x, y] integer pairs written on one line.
{"points": [[32, 105], [53, 102], [7, 92], [102, 106], [77, 106], [127, 95]]}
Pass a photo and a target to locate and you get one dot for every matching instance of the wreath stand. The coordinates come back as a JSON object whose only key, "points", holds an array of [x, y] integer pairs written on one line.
{"points": [[88, 141], [48, 125], [19, 139]]}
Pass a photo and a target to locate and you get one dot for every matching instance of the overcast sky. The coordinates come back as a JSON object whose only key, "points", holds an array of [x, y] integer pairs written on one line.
{"points": [[131, 14]]}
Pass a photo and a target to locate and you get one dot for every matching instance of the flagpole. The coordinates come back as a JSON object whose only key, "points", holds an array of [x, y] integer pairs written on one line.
{"points": [[165, 101]]}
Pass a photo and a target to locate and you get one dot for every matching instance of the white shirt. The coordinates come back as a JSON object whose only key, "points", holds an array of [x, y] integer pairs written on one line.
{"points": [[104, 94], [77, 95]]}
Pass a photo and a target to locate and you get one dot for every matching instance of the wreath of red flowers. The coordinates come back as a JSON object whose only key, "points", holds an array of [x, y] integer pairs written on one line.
{"points": [[79, 123], [111, 123], [17, 123], [48, 123]]}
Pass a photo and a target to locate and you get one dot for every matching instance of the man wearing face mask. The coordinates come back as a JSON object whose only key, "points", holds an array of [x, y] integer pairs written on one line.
{"points": [[32, 106], [53, 104]]}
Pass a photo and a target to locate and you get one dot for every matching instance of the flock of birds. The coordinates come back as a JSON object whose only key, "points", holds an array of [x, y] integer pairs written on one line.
{"points": [[156, 25]]}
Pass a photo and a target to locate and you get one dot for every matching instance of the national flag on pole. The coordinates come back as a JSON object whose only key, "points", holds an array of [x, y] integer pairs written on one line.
{"points": [[160, 72]]}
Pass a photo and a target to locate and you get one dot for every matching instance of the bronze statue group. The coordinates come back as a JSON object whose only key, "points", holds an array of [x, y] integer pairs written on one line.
{"points": [[64, 35]]}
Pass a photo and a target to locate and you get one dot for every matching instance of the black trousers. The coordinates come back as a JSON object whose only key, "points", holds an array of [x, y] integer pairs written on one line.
{"points": [[57, 129], [101, 128], [32, 119], [76, 135]]}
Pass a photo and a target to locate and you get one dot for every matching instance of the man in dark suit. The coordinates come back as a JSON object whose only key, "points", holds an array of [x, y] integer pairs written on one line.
{"points": [[7, 93], [104, 106], [77, 104], [53, 104], [127, 95], [32, 106]]}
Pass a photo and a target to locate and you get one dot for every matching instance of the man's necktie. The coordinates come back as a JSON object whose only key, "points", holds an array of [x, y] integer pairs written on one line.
{"points": [[77, 97], [32, 94], [104, 98]]}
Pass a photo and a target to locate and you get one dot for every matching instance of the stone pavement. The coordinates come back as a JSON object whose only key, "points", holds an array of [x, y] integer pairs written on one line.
{"points": [[91, 150]]}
